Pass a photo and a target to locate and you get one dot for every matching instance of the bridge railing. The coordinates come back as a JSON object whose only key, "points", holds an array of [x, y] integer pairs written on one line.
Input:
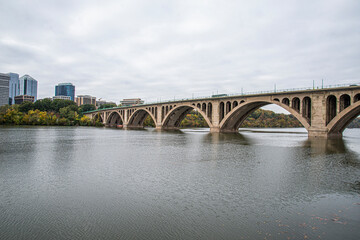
{"points": [[254, 93], [237, 94]]}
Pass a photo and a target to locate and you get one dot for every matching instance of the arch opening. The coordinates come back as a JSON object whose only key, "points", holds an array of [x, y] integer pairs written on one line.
{"points": [[222, 111], [137, 119], [250, 115], [286, 101], [114, 120], [203, 108], [235, 104], [345, 101], [306, 111], [330, 108], [209, 112], [185, 116], [295, 104], [356, 97], [228, 107]]}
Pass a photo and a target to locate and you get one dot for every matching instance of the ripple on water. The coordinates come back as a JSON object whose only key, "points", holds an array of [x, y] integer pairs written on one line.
{"points": [[95, 183]]}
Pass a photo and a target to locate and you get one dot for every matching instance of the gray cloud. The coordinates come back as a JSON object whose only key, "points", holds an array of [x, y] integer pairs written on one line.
{"points": [[161, 49]]}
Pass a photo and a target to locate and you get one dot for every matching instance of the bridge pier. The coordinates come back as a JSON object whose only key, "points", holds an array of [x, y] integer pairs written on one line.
{"points": [[323, 133], [215, 129]]}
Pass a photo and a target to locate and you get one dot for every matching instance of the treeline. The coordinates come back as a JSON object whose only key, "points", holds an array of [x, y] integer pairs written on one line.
{"points": [[46, 112], [268, 119]]}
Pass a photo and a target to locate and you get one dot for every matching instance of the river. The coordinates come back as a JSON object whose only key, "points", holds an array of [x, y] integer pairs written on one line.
{"points": [[102, 183]]}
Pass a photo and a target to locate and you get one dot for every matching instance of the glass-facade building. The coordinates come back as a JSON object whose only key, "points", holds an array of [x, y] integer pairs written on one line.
{"points": [[28, 86], [14, 87], [65, 89]]}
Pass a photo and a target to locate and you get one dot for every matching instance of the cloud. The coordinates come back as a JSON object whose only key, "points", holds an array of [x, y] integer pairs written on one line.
{"points": [[161, 49]]}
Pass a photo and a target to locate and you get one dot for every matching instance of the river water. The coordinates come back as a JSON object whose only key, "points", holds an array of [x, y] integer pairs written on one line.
{"points": [[102, 183]]}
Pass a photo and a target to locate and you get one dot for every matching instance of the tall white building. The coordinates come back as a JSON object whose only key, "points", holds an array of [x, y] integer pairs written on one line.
{"points": [[28, 86], [4, 89]]}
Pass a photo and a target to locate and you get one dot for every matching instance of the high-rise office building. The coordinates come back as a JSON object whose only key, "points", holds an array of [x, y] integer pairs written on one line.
{"points": [[85, 99], [14, 87], [24, 98], [4, 89], [65, 89], [28, 86]]}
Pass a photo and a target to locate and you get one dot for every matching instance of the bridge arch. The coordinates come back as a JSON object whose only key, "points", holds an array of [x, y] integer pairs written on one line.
{"points": [[232, 121], [174, 118], [114, 119], [137, 118], [338, 124]]}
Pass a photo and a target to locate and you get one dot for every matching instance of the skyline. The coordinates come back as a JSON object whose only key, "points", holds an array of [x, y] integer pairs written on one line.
{"points": [[164, 50]]}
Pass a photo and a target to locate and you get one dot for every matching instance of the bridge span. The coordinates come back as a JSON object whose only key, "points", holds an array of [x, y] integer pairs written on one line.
{"points": [[323, 112]]}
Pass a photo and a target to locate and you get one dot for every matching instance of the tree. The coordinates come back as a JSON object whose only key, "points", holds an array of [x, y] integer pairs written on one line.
{"points": [[56, 104], [26, 106], [149, 122], [70, 113], [87, 107], [43, 105]]}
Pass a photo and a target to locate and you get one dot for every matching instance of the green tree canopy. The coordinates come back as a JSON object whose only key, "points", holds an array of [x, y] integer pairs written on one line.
{"points": [[87, 107], [56, 104], [26, 106]]}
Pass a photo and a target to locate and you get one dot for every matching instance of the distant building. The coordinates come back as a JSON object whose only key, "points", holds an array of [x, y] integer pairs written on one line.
{"points": [[14, 87], [28, 86], [102, 102], [85, 99], [65, 89], [24, 98], [131, 102], [61, 97], [4, 89]]}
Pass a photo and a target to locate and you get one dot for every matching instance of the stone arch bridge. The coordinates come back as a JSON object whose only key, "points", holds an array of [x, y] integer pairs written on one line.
{"points": [[323, 112]]}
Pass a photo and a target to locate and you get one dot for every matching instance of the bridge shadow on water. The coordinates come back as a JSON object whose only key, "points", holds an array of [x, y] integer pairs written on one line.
{"points": [[223, 138], [339, 146]]}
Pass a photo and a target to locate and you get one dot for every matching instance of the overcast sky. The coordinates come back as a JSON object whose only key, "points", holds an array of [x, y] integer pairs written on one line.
{"points": [[156, 49]]}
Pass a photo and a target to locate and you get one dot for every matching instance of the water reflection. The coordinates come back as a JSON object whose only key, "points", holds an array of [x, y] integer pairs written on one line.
{"points": [[97, 183], [325, 146], [234, 138], [320, 147]]}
